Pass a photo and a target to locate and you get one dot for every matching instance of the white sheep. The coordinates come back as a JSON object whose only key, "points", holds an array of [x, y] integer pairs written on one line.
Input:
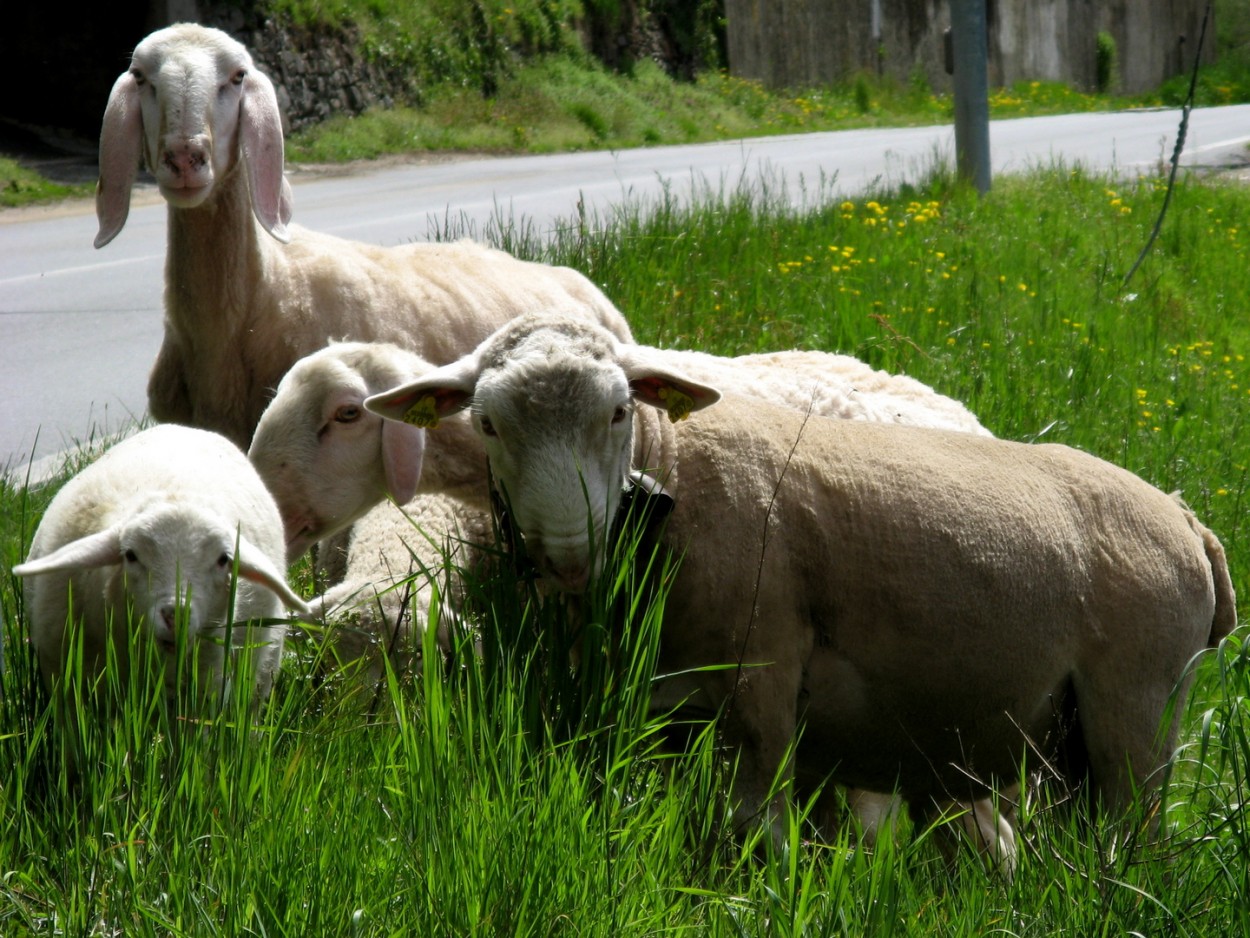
{"points": [[396, 558], [327, 460], [150, 536], [827, 385], [246, 296], [930, 607]]}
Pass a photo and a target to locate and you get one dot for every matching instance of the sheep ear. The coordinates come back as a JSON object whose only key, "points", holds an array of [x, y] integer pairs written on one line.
{"points": [[121, 149], [656, 385], [424, 402], [260, 136], [94, 550], [403, 449], [255, 567]]}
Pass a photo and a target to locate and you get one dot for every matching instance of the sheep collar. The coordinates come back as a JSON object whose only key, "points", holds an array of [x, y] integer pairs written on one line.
{"points": [[644, 497]]}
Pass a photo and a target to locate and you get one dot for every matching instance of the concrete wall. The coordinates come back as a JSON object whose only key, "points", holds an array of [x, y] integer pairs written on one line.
{"points": [[797, 43]]}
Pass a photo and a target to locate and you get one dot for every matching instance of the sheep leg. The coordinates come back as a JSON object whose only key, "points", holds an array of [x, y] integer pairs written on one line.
{"points": [[874, 813], [985, 825], [169, 398], [760, 721], [1126, 741]]}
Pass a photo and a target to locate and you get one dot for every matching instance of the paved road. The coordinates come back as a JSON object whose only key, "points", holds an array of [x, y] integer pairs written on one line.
{"points": [[79, 327]]}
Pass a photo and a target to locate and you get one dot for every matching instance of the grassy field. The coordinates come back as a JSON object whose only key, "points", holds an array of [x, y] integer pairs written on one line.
{"points": [[505, 795], [561, 103]]}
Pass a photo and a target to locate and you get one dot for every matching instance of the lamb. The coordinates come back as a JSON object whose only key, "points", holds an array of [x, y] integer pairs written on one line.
{"points": [[929, 607], [394, 559], [161, 523], [246, 297], [327, 460]]}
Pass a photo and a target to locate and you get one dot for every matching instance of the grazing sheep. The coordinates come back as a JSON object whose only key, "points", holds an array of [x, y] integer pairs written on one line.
{"points": [[246, 297], [394, 559], [159, 525], [929, 607], [327, 460]]}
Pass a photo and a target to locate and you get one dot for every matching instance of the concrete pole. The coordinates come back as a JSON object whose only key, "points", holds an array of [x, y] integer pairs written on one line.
{"points": [[969, 47]]}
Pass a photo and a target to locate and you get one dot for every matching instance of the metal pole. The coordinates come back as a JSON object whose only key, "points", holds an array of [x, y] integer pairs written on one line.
{"points": [[969, 48]]}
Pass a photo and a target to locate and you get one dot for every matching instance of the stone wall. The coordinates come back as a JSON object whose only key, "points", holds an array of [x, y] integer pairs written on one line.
{"points": [[316, 74]]}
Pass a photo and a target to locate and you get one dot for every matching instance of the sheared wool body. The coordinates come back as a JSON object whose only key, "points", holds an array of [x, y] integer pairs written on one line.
{"points": [[373, 612], [923, 601]]}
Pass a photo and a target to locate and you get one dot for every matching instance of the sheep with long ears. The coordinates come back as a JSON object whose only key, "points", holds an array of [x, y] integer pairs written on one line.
{"points": [[152, 535], [246, 292], [559, 440], [327, 460], [933, 609]]}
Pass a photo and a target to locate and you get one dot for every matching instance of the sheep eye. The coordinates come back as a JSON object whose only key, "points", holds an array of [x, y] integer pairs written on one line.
{"points": [[131, 556], [348, 413], [224, 561], [619, 414], [237, 77], [138, 76], [488, 428]]}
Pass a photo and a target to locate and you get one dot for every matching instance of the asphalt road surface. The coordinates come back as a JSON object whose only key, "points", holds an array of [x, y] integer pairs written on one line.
{"points": [[79, 328]]}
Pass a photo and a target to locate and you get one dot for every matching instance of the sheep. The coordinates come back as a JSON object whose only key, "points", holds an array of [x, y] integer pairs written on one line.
{"points": [[394, 558], [930, 607], [828, 385], [327, 460], [150, 536], [246, 296]]}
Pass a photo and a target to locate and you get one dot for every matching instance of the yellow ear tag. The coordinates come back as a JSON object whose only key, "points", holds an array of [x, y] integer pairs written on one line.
{"points": [[424, 413], [678, 403]]}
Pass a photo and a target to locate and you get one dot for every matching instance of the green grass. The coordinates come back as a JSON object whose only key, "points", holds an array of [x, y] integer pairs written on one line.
{"points": [[561, 102], [20, 185], [507, 794]]}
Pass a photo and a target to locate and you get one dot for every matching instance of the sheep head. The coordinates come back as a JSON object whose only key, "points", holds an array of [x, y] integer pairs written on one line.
{"points": [[192, 106], [553, 400], [174, 563], [326, 459]]}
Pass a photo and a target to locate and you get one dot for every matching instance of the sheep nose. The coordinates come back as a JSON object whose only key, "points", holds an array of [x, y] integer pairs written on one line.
{"points": [[184, 159]]}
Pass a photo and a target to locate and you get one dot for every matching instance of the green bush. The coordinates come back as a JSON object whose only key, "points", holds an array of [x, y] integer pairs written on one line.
{"points": [[1106, 64]]}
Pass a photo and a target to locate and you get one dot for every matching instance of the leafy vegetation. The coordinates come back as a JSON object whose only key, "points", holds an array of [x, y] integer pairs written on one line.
{"points": [[506, 793], [22, 186]]}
